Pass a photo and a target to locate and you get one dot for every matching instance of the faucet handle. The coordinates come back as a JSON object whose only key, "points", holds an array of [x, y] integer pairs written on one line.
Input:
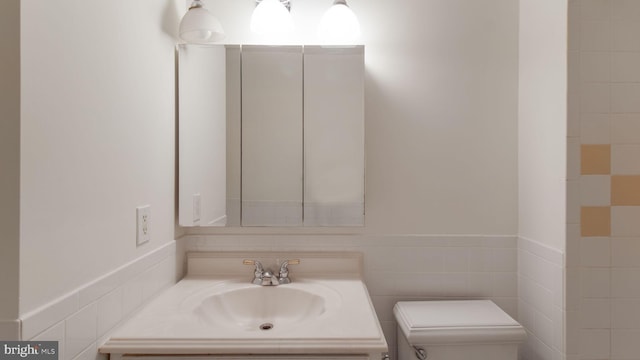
{"points": [[284, 270], [258, 273]]}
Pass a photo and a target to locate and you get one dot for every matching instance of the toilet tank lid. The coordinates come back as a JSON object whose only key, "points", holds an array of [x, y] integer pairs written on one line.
{"points": [[456, 321]]}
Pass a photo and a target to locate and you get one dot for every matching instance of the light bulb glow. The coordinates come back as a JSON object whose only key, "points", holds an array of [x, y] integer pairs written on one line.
{"points": [[271, 19], [199, 26], [339, 25]]}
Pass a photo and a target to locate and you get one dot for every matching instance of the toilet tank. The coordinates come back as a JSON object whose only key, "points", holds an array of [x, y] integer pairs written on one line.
{"points": [[456, 330]]}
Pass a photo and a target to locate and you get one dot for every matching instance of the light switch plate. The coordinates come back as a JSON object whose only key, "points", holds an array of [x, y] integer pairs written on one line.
{"points": [[143, 216]]}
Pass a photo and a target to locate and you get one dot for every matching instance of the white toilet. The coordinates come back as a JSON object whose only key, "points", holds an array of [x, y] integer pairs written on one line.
{"points": [[456, 330]]}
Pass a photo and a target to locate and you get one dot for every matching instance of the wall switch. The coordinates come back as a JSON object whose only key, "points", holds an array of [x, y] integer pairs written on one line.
{"points": [[143, 214], [197, 208]]}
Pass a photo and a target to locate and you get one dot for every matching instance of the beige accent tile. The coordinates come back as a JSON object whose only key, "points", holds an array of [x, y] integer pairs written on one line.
{"points": [[595, 221], [595, 159], [625, 190]]}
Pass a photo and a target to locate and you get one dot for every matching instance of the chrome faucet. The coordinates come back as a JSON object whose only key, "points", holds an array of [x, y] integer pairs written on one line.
{"points": [[258, 272], [284, 271], [267, 277]]}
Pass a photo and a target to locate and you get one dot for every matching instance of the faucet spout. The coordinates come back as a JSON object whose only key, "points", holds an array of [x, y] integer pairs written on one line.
{"points": [[269, 279]]}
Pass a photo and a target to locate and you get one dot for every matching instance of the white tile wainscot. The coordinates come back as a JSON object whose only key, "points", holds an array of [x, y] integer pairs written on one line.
{"points": [[403, 267], [541, 307], [82, 319]]}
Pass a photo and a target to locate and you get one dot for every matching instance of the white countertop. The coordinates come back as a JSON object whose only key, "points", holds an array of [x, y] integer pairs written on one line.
{"points": [[172, 323]]}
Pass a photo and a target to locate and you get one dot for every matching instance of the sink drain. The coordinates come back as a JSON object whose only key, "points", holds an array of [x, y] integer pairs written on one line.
{"points": [[266, 326]]}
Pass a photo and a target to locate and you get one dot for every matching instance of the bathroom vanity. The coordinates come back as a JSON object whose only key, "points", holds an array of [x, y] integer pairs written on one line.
{"points": [[227, 307]]}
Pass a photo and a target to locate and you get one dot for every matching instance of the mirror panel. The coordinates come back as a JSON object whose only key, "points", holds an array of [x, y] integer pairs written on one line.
{"points": [[272, 136], [292, 150], [201, 129], [333, 136]]}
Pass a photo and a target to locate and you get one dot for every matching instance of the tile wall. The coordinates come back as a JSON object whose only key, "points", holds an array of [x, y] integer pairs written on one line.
{"points": [[81, 320], [404, 267], [603, 240], [541, 300]]}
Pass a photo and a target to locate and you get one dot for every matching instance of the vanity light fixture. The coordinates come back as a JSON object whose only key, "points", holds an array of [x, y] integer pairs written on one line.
{"points": [[339, 25], [199, 26], [271, 18]]}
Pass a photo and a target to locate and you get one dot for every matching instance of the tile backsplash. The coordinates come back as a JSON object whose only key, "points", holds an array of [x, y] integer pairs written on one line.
{"points": [[396, 267], [403, 267], [80, 320]]}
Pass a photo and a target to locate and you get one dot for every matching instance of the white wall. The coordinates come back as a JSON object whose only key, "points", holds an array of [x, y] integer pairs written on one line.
{"points": [[542, 123], [441, 114], [98, 138], [542, 169], [9, 163], [440, 108]]}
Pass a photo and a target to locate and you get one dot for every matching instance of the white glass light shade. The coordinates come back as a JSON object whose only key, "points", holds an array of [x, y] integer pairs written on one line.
{"points": [[271, 18], [199, 26], [339, 25]]}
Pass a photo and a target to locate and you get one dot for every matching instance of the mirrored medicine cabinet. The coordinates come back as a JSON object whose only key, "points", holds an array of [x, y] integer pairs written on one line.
{"points": [[270, 135]]}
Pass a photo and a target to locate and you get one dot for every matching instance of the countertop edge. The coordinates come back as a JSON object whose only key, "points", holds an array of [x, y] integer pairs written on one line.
{"points": [[212, 346]]}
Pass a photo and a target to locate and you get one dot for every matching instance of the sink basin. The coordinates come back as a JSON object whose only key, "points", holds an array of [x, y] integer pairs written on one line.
{"points": [[263, 308], [249, 307]]}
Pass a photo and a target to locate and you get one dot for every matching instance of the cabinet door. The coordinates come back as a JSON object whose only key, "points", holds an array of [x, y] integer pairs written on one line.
{"points": [[271, 136], [333, 136], [202, 135]]}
